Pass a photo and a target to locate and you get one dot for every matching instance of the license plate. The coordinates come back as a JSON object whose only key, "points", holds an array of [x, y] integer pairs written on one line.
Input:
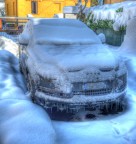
{"points": [[94, 86]]}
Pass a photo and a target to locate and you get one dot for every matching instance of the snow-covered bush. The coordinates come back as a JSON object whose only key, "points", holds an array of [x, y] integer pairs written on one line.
{"points": [[113, 16]]}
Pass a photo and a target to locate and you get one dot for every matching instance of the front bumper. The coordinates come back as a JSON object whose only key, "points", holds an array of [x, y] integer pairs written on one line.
{"points": [[78, 102]]}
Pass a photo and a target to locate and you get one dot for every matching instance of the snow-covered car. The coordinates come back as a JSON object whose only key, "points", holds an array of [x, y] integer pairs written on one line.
{"points": [[67, 67]]}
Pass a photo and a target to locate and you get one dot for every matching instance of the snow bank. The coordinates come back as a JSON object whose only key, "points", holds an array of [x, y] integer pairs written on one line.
{"points": [[9, 44], [25, 123], [21, 121], [129, 44], [11, 82], [120, 13]]}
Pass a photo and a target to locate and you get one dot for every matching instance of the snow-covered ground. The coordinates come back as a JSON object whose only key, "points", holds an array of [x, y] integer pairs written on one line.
{"points": [[23, 122]]}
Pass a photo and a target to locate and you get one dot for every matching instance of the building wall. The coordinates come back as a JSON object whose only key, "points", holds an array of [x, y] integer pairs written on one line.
{"points": [[46, 8], [23, 7], [10, 7]]}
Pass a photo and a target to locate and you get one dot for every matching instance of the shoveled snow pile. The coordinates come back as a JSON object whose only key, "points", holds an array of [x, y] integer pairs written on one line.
{"points": [[9, 45], [21, 121], [120, 13], [129, 44]]}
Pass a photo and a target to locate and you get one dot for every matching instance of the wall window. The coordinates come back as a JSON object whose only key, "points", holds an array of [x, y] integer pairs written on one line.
{"points": [[34, 6]]}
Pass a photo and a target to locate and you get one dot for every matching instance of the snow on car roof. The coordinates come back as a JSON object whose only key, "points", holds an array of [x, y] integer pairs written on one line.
{"points": [[62, 31]]}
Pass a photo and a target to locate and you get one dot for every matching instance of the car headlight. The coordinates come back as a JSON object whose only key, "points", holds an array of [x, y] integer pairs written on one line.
{"points": [[120, 83], [48, 87]]}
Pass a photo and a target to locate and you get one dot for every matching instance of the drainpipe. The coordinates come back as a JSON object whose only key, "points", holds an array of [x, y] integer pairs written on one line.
{"points": [[17, 8], [17, 11]]}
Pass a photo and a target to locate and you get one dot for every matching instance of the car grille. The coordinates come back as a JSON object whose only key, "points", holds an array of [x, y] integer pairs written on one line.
{"points": [[100, 88], [79, 89], [112, 86], [93, 92]]}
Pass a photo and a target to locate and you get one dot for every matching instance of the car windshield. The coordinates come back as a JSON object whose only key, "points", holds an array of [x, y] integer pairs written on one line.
{"points": [[64, 32]]}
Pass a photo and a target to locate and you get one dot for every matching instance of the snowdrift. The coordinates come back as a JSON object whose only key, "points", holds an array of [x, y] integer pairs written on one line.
{"points": [[21, 121]]}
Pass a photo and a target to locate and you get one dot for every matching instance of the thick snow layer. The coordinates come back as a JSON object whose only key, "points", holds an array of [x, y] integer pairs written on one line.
{"points": [[108, 12], [63, 31], [56, 31], [21, 121], [24, 122], [74, 57], [56, 62]]}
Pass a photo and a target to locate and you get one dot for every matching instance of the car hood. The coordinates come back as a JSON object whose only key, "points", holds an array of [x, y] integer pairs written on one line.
{"points": [[77, 57]]}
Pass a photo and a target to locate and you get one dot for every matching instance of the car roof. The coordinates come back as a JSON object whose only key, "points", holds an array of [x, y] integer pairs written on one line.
{"points": [[62, 31]]}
